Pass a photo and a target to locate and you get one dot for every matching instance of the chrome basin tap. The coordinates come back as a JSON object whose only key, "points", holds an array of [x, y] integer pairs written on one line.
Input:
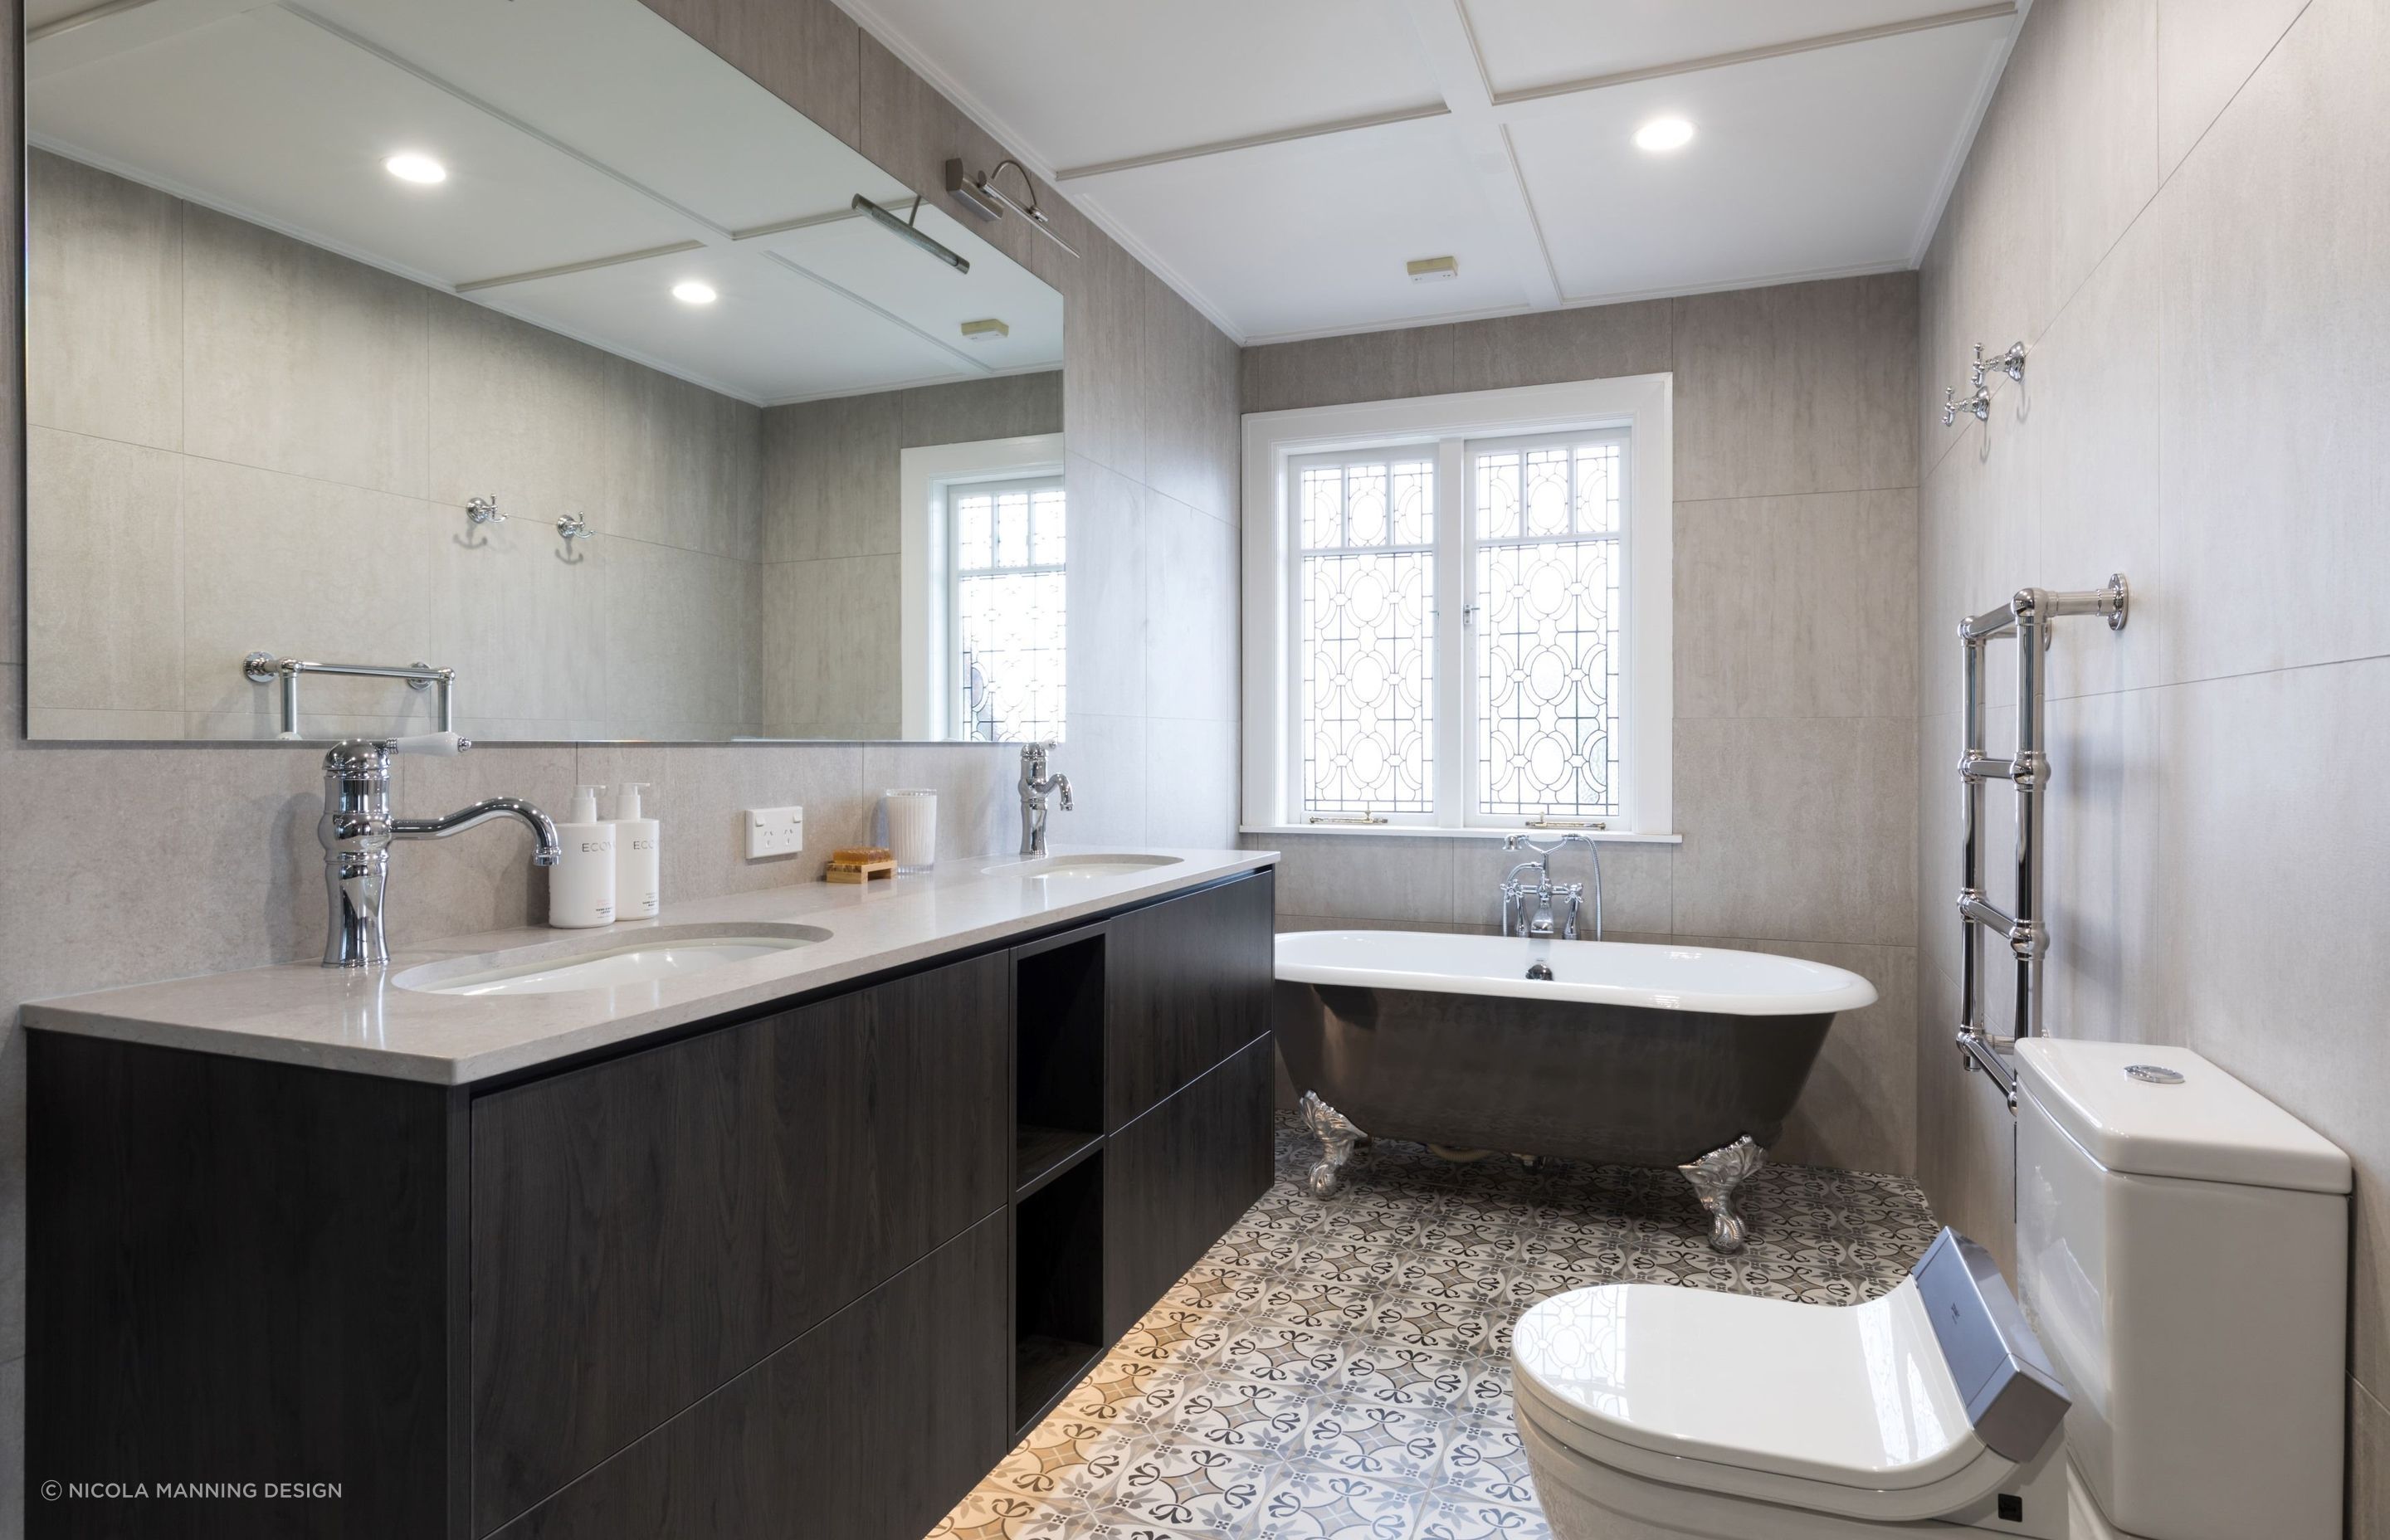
{"points": [[1035, 785], [1541, 919], [356, 829]]}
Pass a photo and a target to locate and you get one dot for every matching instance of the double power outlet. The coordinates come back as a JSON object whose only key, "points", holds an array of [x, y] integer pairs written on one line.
{"points": [[775, 831]]}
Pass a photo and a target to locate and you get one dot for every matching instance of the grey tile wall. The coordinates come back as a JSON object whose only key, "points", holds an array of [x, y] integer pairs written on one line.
{"points": [[2208, 186], [1795, 580], [237, 881], [832, 578], [231, 415]]}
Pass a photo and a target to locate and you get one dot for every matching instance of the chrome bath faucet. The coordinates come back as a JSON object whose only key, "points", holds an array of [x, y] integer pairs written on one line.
{"points": [[1035, 784], [1527, 904], [356, 829]]}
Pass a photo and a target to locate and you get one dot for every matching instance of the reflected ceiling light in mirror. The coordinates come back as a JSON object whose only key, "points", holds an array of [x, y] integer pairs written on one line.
{"points": [[409, 166], [1663, 134], [692, 292]]}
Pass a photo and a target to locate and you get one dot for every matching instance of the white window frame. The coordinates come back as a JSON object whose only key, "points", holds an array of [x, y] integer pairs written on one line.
{"points": [[926, 561], [1638, 405]]}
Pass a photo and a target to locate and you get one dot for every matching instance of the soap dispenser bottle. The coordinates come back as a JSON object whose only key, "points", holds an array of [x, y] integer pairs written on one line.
{"points": [[639, 868], [581, 886]]}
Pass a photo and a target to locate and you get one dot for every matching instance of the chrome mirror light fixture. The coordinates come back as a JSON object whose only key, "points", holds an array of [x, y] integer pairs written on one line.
{"points": [[980, 195]]}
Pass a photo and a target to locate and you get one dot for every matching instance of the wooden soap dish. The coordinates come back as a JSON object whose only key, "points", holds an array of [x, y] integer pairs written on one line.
{"points": [[860, 863]]}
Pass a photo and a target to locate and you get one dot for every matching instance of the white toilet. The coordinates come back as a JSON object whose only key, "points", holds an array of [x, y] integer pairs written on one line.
{"points": [[2182, 1245]]}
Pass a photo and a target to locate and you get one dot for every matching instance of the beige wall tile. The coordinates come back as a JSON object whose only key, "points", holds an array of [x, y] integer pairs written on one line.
{"points": [[2276, 316], [104, 347], [2096, 65], [1190, 610], [103, 546], [978, 812], [1190, 783], [1798, 605], [708, 787], [484, 879], [525, 630], [300, 569], [301, 361], [1393, 878], [2272, 880], [1106, 759], [2206, 49], [1795, 389], [1184, 394], [1104, 397], [1796, 829], [1109, 625], [830, 649], [1549, 347], [1327, 371], [830, 478], [966, 412]]}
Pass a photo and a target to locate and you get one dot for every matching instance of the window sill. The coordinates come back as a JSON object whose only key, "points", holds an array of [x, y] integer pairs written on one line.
{"points": [[1423, 831]]}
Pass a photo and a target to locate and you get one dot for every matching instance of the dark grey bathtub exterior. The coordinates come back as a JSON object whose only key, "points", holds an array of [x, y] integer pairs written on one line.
{"points": [[1619, 1084]]}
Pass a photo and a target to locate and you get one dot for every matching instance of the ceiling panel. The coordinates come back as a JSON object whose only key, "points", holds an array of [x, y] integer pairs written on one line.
{"points": [[615, 81], [1313, 236], [872, 264], [771, 335], [1089, 81], [268, 116], [1812, 162], [1525, 44]]}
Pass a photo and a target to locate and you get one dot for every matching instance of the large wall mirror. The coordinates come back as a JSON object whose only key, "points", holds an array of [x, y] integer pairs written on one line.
{"points": [[527, 343]]}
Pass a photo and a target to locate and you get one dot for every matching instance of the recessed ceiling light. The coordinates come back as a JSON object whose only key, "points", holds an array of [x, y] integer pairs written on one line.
{"points": [[1664, 133], [411, 167], [693, 292], [1429, 269]]}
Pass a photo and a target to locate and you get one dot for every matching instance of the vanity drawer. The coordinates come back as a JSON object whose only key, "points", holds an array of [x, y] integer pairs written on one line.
{"points": [[647, 1228], [867, 1428], [1177, 1178], [1187, 983]]}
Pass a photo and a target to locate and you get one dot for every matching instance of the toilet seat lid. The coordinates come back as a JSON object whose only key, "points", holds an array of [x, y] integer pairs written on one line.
{"points": [[1855, 1395]]}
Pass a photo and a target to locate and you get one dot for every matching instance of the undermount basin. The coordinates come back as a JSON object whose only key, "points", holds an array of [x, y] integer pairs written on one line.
{"points": [[645, 957], [1084, 865]]}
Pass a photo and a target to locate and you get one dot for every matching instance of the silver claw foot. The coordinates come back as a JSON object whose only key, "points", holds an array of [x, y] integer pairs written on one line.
{"points": [[1715, 1179], [1337, 1139]]}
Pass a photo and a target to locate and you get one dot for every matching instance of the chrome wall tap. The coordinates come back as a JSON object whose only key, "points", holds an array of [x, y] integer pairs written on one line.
{"points": [[356, 828], [1035, 784], [1543, 920]]}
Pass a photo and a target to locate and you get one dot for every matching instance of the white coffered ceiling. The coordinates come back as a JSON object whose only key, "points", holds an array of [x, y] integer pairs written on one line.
{"points": [[1279, 164]]}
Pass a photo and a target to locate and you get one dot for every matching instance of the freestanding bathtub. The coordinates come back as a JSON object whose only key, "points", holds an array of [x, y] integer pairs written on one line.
{"points": [[1609, 1051]]}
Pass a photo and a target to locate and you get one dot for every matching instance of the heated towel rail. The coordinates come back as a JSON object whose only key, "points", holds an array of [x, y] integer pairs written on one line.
{"points": [[2025, 617]]}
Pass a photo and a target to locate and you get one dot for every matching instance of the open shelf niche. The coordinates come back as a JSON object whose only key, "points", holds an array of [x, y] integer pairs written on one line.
{"points": [[1058, 1269], [1058, 1014]]}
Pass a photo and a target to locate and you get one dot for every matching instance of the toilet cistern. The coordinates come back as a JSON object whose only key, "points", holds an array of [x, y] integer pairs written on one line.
{"points": [[356, 829]]}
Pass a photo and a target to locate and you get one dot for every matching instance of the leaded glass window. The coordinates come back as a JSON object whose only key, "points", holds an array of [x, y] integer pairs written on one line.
{"points": [[1009, 615], [1548, 566], [1365, 633]]}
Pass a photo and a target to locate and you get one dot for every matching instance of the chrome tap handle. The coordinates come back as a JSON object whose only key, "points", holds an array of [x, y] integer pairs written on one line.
{"points": [[1062, 784]]}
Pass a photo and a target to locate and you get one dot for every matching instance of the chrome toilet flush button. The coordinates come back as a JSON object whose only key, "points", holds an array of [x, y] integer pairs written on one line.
{"points": [[2156, 1074]]}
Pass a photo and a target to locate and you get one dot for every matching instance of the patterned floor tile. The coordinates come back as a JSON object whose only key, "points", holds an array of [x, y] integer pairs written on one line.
{"points": [[1341, 1370]]}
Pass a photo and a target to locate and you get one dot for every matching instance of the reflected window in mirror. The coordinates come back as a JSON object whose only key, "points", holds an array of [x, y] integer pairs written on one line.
{"points": [[1010, 619]]}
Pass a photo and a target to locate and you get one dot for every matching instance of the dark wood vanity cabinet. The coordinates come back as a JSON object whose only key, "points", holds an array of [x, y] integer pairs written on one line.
{"points": [[805, 1272]]}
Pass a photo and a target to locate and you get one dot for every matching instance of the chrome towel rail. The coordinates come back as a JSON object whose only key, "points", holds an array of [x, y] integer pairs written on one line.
{"points": [[2025, 619], [263, 668]]}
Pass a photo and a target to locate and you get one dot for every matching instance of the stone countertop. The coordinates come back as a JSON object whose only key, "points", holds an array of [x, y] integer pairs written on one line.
{"points": [[364, 1022]]}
